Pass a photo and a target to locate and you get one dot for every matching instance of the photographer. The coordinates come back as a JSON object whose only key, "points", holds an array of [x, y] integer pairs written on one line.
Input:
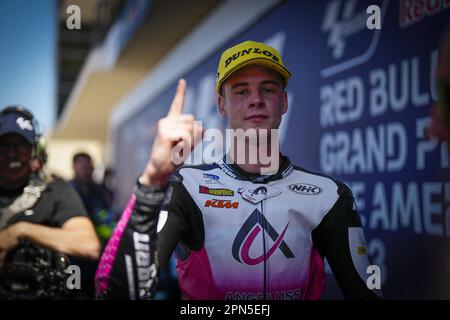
{"points": [[48, 214]]}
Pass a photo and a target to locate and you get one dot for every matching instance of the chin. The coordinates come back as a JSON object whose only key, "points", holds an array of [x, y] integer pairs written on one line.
{"points": [[265, 126], [16, 177], [255, 126]]}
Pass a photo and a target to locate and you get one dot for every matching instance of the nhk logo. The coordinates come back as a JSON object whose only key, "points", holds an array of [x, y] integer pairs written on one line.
{"points": [[227, 204], [304, 188]]}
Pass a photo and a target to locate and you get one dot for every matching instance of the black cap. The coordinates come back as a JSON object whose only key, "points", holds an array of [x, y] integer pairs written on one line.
{"points": [[18, 120]]}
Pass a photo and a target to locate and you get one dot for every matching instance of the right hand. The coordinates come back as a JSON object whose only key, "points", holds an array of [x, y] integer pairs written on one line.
{"points": [[9, 239], [176, 131]]}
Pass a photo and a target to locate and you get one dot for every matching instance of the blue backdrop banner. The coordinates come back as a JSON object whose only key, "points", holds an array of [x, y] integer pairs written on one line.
{"points": [[359, 108]]}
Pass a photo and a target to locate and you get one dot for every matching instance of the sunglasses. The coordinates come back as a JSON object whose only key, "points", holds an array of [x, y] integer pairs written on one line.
{"points": [[20, 147]]}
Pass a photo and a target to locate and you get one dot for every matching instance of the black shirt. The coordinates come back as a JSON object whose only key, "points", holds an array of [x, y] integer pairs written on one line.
{"points": [[57, 204], [94, 199]]}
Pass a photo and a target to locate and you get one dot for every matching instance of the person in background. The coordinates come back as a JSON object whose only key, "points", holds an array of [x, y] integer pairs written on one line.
{"points": [[440, 113], [97, 202], [96, 198], [44, 212], [440, 129], [108, 185]]}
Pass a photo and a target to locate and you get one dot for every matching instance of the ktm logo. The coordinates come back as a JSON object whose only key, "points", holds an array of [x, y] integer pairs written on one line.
{"points": [[227, 204]]}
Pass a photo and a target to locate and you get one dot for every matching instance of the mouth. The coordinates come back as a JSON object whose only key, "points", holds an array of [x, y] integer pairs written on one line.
{"points": [[256, 117], [15, 164]]}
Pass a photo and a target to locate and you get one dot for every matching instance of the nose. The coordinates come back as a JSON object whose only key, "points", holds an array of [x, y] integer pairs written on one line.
{"points": [[256, 99], [11, 151]]}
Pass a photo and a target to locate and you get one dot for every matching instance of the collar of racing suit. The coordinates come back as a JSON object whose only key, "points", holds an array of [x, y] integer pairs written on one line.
{"points": [[237, 172]]}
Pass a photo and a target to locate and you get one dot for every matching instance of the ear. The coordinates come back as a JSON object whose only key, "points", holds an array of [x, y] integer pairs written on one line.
{"points": [[284, 103], [221, 104]]}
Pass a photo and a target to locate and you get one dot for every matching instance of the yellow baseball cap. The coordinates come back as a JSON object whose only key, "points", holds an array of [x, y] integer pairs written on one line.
{"points": [[246, 53]]}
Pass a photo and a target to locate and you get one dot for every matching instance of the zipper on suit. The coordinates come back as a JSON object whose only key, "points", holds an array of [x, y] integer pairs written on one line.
{"points": [[264, 226]]}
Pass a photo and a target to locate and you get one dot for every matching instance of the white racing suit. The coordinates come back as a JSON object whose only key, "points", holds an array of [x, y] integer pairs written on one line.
{"points": [[238, 236]]}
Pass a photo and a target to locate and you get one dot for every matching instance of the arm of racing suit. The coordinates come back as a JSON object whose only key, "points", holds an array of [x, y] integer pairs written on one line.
{"points": [[136, 251], [340, 238], [127, 268]]}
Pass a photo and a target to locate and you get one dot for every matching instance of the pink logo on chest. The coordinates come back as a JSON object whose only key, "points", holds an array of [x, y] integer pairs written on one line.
{"points": [[248, 233]]}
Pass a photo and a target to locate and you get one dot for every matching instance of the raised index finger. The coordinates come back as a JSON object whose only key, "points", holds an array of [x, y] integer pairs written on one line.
{"points": [[176, 108]]}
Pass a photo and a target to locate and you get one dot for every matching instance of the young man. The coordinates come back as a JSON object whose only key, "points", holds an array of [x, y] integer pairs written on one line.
{"points": [[94, 196], [49, 214], [240, 229]]}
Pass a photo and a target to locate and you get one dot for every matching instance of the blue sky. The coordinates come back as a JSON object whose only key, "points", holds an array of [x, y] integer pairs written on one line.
{"points": [[28, 57]]}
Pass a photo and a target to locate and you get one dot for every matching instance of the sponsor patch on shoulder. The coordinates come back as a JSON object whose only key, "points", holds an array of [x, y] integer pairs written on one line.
{"points": [[304, 188], [211, 178]]}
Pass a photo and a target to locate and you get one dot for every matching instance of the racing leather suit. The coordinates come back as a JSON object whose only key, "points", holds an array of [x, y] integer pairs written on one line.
{"points": [[237, 236]]}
